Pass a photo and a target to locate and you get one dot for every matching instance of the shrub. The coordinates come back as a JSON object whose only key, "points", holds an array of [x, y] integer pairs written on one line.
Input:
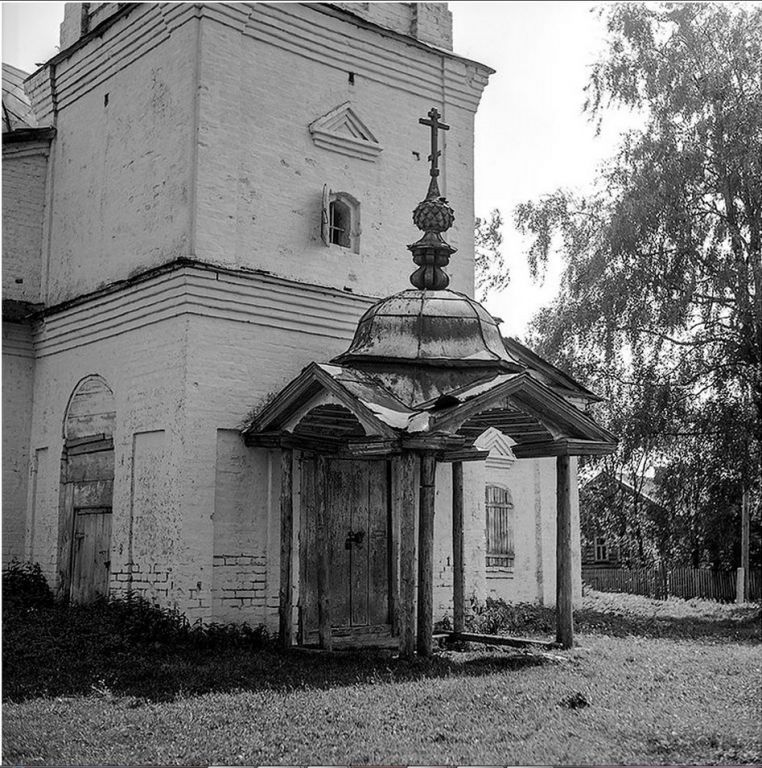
{"points": [[495, 617], [25, 586]]}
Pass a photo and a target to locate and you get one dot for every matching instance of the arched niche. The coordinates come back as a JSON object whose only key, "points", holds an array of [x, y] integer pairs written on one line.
{"points": [[91, 410], [87, 491]]}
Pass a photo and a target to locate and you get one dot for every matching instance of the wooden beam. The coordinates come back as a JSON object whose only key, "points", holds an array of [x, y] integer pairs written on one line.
{"points": [[394, 505], [286, 539], [467, 454], [426, 554], [323, 543], [563, 447], [406, 484], [458, 577], [513, 642], [564, 615]]}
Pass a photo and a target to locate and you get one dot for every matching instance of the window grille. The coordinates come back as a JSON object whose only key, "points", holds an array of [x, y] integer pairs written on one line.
{"points": [[340, 223], [499, 526], [340, 220]]}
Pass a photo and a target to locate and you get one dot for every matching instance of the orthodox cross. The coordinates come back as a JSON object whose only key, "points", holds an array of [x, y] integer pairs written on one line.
{"points": [[436, 126]]}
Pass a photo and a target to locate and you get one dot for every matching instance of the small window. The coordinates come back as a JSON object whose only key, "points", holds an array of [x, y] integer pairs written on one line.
{"points": [[499, 527], [340, 222], [601, 549], [340, 218]]}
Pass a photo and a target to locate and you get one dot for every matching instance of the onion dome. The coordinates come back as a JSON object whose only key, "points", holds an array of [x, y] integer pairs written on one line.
{"points": [[429, 328], [17, 109]]}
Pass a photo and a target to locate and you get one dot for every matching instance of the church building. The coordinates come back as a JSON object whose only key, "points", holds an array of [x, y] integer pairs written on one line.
{"points": [[207, 399]]}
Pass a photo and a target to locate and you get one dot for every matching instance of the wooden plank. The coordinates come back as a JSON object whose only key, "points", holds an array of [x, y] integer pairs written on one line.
{"points": [[323, 573], [458, 577], [286, 539], [93, 493], [88, 445], [359, 552], [394, 506], [90, 466], [65, 536], [467, 454], [340, 498], [514, 642], [564, 614], [426, 554], [308, 610], [378, 544], [406, 480], [103, 553]]}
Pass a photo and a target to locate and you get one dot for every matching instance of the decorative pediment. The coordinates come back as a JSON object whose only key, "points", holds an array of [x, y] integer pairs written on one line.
{"points": [[500, 449], [343, 131]]}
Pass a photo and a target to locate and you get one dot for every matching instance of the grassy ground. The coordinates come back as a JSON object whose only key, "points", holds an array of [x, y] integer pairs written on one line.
{"points": [[664, 682]]}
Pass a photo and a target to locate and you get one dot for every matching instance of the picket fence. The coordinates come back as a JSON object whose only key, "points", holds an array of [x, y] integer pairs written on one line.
{"points": [[662, 583]]}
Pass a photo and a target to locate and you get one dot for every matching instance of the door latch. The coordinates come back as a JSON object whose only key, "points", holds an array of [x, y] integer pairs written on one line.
{"points": [[354, 538]]}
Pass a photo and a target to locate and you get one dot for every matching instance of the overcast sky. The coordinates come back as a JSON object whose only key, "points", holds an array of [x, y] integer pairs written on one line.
{"points": [[531, 135]]}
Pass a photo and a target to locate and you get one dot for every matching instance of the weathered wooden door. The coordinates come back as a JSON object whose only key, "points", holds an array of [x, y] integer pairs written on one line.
{"points": [[88, 498], [357, 537], [91, 558]]}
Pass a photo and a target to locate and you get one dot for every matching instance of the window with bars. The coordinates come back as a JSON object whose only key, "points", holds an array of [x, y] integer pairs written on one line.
{"points": [[499, 507]]}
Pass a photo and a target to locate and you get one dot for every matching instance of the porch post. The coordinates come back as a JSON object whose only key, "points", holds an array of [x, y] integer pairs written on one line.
{"points": [[458, 575], [406, 484], [323, 578], [286, 538], [426, 554], [564, 616]]}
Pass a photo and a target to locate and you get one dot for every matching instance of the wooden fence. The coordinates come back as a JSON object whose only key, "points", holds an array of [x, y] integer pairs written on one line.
{"points": [[671, 582]]}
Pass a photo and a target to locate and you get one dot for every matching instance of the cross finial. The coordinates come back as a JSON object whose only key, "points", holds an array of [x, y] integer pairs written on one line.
{"points": [[436, 126]]}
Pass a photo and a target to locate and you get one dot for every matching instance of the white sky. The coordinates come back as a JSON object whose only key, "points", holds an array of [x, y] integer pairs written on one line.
{"points": [[531, 135]]}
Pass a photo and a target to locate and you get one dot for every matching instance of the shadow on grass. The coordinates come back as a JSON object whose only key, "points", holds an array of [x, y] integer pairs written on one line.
{"points": [[625, 616], [740, 625], [56, 651]]}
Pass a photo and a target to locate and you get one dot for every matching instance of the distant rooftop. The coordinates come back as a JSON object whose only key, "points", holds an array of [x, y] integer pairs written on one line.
{"points": [[17, 109]]}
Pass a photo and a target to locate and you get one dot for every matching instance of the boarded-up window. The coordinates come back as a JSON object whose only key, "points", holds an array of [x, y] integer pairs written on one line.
{"points": [[499, 526]]}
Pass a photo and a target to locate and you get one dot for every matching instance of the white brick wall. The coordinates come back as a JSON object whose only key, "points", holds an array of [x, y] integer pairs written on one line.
{"points": [[24, 175], [194, 141], [18, 375]]}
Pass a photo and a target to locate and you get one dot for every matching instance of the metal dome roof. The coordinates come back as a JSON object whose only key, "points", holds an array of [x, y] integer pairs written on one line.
{"points": [[443, 328]]}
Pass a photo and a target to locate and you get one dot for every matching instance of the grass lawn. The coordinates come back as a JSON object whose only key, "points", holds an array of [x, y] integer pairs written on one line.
{"points": [[665, 682]]}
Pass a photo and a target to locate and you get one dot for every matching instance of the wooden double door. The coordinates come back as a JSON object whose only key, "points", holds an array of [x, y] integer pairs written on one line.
{"points": [[356, 533]]}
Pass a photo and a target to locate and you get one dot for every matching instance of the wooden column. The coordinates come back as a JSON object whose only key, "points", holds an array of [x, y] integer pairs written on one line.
{"points": [[323, 543], [286, 539], [458, 572], [406, 484], [564, 616], [426, 554]]}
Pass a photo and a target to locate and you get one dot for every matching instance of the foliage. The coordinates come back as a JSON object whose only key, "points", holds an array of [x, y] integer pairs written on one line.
{"points": [[660, 306], [56, 647], [495, 616], [25, 586], [491, 269]]}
